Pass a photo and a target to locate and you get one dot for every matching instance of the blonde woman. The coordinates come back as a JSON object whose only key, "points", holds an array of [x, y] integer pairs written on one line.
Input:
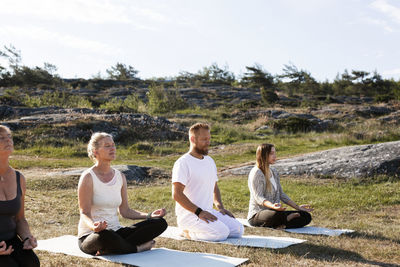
{"points": [[265, 208], [16, 240], [102, 192]]}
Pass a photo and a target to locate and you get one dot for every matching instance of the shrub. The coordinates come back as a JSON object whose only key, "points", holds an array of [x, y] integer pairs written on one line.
{"points": [[122, 72], [114, 105], [57, 99], [384, 98], [163, 101], [141, 148], [268, 95], [292, 125], [130, 104], [226, 133]]}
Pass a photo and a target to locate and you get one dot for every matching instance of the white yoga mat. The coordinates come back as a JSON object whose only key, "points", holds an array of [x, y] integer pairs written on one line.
{"points": [[246, 240], [308, 230], [312, 230], [68, 244]]}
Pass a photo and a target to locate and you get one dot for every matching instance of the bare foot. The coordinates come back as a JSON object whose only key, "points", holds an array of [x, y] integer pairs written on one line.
{"points": [[185, 234], [280, 227], [146, 246], [292, 216]]}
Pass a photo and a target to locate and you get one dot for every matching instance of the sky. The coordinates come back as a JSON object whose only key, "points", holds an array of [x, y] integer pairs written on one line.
{"points": [[162, 38]]}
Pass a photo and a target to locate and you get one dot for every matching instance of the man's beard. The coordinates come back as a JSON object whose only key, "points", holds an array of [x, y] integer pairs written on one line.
{"points": [[200, 151]]}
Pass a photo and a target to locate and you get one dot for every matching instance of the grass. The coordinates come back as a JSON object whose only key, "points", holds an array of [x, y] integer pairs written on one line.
{"points": [[372, 209], [240, 150]]}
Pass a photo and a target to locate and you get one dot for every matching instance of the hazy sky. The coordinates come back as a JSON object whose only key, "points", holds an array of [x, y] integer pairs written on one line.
{"points": [[161, 38]]}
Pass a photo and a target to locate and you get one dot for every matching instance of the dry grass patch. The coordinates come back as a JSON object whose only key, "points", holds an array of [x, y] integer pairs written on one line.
{"points": [[53, 211]]}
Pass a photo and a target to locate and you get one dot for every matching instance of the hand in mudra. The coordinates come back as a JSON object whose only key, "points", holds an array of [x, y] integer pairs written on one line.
{"points": [[30, 243], [278, 207], [99, 226], [4, 250], [158, 213], [306, 208]]}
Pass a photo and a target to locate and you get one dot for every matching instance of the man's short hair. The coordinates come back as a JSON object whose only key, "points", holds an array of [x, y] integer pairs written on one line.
{"points": [[195, 128]]}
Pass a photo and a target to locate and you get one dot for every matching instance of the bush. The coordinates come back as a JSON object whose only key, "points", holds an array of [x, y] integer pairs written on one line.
{"points": [[141, 148], [57, 99], [292, 125], [114, 105], [130, 104], [226, 133], [268, 95], [383, 98], [163, 101]]}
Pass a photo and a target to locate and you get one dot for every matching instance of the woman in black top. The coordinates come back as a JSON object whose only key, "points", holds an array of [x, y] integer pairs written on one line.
{"points": [[16, 240]]}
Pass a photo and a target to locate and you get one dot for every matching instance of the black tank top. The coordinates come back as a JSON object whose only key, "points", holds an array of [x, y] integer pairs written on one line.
{"points": [[8, 210]]}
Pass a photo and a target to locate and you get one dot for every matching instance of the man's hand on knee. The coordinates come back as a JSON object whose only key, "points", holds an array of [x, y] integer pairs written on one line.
{"points": [[207, 217], [226, 212]]}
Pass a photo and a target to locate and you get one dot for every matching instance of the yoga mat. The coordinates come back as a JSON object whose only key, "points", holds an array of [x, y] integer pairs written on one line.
{"points": [[312, 230], [308, 230], [247, 240], [68, 244]]}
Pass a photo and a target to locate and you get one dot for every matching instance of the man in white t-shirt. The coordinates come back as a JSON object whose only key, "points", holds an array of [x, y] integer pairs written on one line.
{"points": [[195, 190]]}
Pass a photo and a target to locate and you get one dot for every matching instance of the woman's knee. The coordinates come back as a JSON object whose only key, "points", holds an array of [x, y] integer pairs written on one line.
{"points": [[161, 223], [8, 261], [307, 217], [97, 241], [32, 261], [157, 225]]}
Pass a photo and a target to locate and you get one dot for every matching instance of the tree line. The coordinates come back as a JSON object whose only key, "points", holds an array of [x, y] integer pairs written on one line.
{"points": [[292, 81]]}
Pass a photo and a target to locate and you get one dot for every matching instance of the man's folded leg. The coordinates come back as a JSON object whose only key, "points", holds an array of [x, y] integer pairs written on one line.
{"points": [[201, 230], [235, 227]]}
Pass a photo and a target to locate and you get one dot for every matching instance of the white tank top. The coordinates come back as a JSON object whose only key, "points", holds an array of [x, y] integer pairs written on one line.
{"points": [[105, 202]]}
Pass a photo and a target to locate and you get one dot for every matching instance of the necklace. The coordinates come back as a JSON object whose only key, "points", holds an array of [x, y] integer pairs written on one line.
{"points": [[2, 178]]}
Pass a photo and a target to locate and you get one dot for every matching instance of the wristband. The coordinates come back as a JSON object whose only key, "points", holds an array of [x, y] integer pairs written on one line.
{"points": [[148, 216], [198, 211], [26, 238]]}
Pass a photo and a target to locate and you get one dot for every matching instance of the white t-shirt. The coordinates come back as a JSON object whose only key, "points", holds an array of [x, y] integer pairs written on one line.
{"points": [[199, 177]]}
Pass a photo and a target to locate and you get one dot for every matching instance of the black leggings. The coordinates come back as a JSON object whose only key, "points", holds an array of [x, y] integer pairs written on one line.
{"points": [[274, 219], [124, 240], [19, 257]]}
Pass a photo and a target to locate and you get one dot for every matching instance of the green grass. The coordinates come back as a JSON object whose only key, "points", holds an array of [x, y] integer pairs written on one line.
{"points": [[49, 163], [372, 209], [164, 154], [369, 206]]}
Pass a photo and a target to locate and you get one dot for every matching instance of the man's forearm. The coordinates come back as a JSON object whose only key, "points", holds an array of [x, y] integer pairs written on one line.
{"points": [[185, 202], [217, 198]]}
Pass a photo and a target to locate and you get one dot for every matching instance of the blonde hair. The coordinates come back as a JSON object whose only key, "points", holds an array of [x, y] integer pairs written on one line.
{"points": [[94, 143], [4, 128], [262, 155], [195, 128]]}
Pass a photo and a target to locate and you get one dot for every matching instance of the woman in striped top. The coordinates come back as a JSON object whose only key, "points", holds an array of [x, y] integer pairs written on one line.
{"points": [[266, 194]]}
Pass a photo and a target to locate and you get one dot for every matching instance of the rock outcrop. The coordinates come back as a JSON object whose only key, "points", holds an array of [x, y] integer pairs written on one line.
{"points": [[80, 123], [345, 162], [132, 173]]}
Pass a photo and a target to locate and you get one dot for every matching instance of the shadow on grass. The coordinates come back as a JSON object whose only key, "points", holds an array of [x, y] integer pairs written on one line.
{"points": [[326, 253], [372, 237]]}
